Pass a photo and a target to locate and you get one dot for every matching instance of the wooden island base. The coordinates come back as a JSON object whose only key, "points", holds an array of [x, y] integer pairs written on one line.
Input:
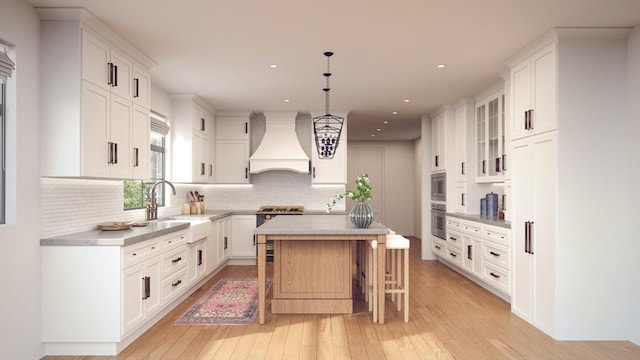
{"points": [[312, 277], [312, 271]]}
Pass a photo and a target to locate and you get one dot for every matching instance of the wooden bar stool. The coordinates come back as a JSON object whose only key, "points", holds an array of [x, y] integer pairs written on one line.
{"points": [[397, 274]]}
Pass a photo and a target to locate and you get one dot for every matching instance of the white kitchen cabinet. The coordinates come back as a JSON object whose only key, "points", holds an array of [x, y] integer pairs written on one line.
{"points": [[329, 171], [534, 93], [99, 297], [466, 198], [232, 148], [224, 239], [86, 127], [491, 140], [534, 214], [140, 138], [460, 198], [141, 87], [437, 142], [243, 241], [191, 130], [211, 248], [472, 253], [197, 260]]}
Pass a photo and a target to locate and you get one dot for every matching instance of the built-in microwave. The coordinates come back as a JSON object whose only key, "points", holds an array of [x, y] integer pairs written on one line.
{"points": [[439, 187]]}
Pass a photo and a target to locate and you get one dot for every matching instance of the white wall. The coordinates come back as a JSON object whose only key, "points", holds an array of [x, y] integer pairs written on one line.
{"points": [[597, 267], [634, 174], [399, 182], [20, 312]]}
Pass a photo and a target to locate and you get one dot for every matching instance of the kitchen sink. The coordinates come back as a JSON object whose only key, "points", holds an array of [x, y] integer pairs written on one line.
{"points": [[198, 228]]}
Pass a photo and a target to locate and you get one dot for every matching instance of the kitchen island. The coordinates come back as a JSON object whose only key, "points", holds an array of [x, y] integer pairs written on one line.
{"points": [[313, 263]]}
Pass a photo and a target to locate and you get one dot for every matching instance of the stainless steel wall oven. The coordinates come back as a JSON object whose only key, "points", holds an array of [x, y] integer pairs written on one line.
{"points": [[438, 223]]}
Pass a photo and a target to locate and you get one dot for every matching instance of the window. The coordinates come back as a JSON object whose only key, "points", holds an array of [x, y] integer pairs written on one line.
{"points": [[136, 192], [6, 70]]}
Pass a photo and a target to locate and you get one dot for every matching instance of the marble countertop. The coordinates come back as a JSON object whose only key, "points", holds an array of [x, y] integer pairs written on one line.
{"points": [[316, 225], [482, 219]]}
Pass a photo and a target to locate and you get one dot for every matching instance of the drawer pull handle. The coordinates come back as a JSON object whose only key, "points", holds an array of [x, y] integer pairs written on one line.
{"points": [[452, 238], [438, 247], [494, 253], [176, 283], [494, 275], [176, 260], [453, 255], [147, 287]]}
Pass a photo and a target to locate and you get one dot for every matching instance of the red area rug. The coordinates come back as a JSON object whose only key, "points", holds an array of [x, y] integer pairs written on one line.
{"points": [[230, 302]]}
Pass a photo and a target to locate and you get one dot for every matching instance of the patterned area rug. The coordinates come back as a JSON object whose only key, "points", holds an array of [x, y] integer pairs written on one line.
{"points": [[230, 302]]}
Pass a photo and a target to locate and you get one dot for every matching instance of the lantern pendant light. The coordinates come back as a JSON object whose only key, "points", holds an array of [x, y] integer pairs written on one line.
{"points": [[327, 128]]}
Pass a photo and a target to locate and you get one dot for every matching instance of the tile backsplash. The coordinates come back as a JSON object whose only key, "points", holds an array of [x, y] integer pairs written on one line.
{"points": [[73, 205]]}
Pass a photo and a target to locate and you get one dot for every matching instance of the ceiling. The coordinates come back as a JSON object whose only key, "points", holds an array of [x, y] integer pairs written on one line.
{"points": [[386, 51]]}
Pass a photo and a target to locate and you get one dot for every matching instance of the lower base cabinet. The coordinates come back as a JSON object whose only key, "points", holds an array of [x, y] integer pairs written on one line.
{"points": [[99, 299], [480, 250]]}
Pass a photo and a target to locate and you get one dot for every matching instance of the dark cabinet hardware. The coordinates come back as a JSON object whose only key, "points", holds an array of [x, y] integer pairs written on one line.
{"points": [[453, 255], [202, 128], [225, 242], [462, 199], [246, 173], [136, 88], [176, 283], [201, 168], [494, 253], [199, 257], [110, 75], [115, 75], [504, 202], [146, 282], [470, 252], [494, 275], [136, 161], [498, 168], [462, 168], [115, 152], [176, 260], [484, 166], [528, 237], [246, 127], [110, 154], [452, 238], [314, 172], [504, 162], [528, 119], [254, 240], [210, 169], [436, 160], [437, 247]]}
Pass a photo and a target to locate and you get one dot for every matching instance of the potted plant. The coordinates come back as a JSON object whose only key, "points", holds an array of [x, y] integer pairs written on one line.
{"points": [[361, 214]]}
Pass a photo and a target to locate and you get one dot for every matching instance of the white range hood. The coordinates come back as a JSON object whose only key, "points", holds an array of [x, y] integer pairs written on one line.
{"points": [[279, 148]]}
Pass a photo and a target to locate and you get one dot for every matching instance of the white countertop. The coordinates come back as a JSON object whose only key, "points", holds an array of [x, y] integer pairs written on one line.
{"points": [[317, 225]]}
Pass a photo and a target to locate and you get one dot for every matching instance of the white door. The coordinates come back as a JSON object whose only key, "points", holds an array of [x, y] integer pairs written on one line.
{"points": [[370, 161]]}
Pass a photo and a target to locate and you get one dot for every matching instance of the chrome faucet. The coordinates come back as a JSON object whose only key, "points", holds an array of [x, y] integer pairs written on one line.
{"points": [[152, 209]]}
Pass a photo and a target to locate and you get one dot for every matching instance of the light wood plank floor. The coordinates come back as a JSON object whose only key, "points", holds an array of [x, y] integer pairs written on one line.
{"points": [[450, 318]]}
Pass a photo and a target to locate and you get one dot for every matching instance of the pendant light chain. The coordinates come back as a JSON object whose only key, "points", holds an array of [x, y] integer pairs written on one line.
{"points": [[327, 128]]}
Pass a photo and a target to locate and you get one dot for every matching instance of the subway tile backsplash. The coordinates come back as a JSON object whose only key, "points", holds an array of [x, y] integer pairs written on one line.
{"points": [[73, 205]]}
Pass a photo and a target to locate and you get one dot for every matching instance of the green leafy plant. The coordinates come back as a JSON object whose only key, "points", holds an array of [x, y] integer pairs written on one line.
{"points": [[362, 193]]}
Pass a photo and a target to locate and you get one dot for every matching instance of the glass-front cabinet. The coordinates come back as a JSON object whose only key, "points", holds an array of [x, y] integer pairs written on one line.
{"points": [[491, 144]]}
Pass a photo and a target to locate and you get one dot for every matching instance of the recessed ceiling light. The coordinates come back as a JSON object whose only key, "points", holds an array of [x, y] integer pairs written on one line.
{"points": [[378, 129], [406, 100], [273, 66], [286, 100], [440, 66], [386, 122], [373, 135], [395, 113]]}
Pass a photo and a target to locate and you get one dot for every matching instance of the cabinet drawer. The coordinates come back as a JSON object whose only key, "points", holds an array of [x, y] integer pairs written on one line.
{"points": [[438, 247], [497, 254], [453, 223], [174, 241], [173, 261], [134, 254], [454, 255], [454, 239], [471, 228], [497, 277], [497, 234], [174, 285]]}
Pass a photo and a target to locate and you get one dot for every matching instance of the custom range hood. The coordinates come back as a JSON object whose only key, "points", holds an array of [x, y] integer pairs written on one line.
{"points": [[279, 148]]}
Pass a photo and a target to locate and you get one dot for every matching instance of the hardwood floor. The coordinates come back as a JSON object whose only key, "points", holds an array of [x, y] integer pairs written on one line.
{"points": [[450, 318]]}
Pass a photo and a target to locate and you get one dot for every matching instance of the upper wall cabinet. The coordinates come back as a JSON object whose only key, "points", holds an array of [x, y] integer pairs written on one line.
{"points": [[191, 131], [534, 89], [88, 94], [491, 144], [232, 148]]}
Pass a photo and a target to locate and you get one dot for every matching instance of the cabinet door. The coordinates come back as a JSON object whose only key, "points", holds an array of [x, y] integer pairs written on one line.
{"points": [[224, 249], [141, 87], [472, 255], [520, 98], [481, 140], [437, 142], [232, 162], [119, 135], [122, 82], [133, 293], [534, 202], [461, 201], [95, 59], [460, 144], [96, 110], [200, 145], [211, 248], [544, 68], [232, 128], [140, 138], [242, 237], [329, 171]]}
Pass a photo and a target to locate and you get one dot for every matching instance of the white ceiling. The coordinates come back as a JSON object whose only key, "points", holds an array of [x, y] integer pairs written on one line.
{"points": [[386, 51]]}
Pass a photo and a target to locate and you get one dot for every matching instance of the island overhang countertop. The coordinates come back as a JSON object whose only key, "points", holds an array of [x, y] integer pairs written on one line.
{"points": [[317, 225]]}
